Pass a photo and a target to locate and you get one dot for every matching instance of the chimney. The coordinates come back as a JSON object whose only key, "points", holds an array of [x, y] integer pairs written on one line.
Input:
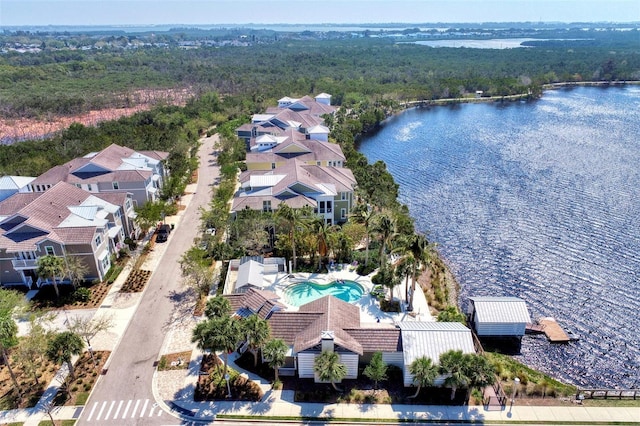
{"points": [[327, 340]]}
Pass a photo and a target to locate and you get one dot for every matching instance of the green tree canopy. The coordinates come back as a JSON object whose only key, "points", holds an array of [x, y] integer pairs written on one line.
{"points": [[329, 369], [424, 372]]}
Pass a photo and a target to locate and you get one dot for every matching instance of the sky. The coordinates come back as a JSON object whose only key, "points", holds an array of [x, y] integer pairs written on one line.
{"points": [[203, 12]]}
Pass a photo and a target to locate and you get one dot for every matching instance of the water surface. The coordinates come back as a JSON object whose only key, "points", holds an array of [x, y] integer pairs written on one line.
{"points": [[539, 200]]}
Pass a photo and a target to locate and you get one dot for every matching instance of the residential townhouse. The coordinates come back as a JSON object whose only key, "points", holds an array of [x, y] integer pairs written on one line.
{"points": [[63, 221], [329, 190], [115, 169], [289, 159]]}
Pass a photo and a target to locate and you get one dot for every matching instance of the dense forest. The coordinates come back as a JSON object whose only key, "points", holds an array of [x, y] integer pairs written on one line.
{"points": [[58, 77]]}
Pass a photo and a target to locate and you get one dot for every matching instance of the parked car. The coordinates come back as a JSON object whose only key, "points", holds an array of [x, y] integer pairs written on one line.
{"points": [[162, 233]]}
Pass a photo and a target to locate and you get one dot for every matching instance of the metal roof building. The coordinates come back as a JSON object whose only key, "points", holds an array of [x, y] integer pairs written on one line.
{"points": [[431, 339], [498, 316]]}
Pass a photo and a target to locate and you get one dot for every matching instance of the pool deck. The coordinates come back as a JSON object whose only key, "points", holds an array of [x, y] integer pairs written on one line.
{"points": [[370, 313]]}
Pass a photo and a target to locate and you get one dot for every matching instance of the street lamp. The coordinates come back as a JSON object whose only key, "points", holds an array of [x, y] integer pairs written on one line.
{"points": [[226, 377], [516, 384]]}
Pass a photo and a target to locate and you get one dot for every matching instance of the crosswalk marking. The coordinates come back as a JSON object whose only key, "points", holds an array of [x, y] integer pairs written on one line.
{"points": [[135, 408], [124, 415], [109, 411], [104, 404], [95, 404], [115, 416], [144, 407], [106, 416]]}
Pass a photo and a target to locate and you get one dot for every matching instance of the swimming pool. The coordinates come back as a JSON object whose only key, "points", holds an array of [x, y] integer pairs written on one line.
{"points": [[305, 292]]}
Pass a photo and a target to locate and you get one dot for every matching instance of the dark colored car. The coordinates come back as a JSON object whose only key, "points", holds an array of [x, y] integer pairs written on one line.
{"points": [[162, 233]]}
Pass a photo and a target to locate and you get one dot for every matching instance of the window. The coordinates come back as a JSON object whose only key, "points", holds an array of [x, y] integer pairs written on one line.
{"points": [[266, 205], [343, 196], [329, 205], [343, 213], [89, 188], [116, 185], [49, 250], [128, 204], [273, 165], [98, 240], [318, 163]]}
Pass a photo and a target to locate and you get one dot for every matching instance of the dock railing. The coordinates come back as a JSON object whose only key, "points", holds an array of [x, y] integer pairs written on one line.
{"points": [[608, 394], [500, 397]]}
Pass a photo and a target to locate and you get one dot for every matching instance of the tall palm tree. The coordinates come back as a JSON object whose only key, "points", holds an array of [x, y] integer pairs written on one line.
{"points": [[50, 267], [275, 352], [424, 372], [257, 332], [329, 369], [365, 215], [386, 230], [453, 364], [324, 233], [75, 269], [292, 220], [218, 335], [421, 252], [64, 346]]}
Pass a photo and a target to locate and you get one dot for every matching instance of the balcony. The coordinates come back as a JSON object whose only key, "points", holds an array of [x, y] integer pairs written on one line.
{"points": [[19, 264]]}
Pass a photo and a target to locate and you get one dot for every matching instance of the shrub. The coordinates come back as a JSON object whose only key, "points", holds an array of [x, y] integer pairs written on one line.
{"points": [[363, 269], [82, 294]]}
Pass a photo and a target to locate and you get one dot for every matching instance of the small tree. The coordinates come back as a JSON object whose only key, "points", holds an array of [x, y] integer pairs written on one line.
{"points": [[197, 272], [329, 369], [424, 372], [88, 328], [451, 314], [10, 303], [63, 347], [376, 370], [32, 346], [50, 267], [275, 352]]}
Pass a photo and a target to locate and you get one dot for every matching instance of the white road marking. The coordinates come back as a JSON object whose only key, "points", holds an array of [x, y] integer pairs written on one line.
{"points": [[144, 407], [106, 416], [95, 405], [104, 404], [115, 415], [124, 415], [135, 408]]}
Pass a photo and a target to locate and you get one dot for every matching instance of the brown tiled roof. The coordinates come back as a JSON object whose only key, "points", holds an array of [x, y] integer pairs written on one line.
{"points": [[16, 202], [111, 157], [377, 339], [289, 325], [260, 302], [156, 155]]}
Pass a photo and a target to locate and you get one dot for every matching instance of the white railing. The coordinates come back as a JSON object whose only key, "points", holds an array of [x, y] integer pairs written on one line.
{"points": [[24, 263]]}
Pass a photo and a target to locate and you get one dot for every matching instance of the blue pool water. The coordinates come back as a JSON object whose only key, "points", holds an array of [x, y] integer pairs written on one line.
{"points": [[305, 292]]}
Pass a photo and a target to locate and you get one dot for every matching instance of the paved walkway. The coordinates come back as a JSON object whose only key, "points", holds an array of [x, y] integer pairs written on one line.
{"points": [[174, 390]]}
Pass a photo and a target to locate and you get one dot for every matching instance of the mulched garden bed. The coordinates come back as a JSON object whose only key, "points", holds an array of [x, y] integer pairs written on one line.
{"points": [[213, 386], [46, 297], [136, 281], [86, 371], [174, 361]]}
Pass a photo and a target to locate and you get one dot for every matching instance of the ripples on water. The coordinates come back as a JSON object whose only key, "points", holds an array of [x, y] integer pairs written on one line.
{"points": [[538, 200]]}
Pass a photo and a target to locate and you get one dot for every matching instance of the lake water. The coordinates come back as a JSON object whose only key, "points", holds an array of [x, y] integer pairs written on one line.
{"points": [[539, 200]]}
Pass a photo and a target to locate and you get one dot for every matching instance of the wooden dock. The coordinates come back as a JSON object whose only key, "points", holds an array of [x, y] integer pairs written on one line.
{"points": [[553, 331]]}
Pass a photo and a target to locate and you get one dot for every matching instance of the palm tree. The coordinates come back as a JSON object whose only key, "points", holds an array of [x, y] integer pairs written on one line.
{"points": [[275, 352], [64, 346], [217, 307], [421, 252], [220, 334], [50, 266], [75, 269], [424, 372], [329, 369], [292, 219], [386, 230], [324, 233], [480, 371], [257, 332], [365, 215], [453, 364]]}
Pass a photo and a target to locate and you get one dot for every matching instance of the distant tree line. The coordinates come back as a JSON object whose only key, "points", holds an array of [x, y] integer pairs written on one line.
{"points": [[72, 81]]}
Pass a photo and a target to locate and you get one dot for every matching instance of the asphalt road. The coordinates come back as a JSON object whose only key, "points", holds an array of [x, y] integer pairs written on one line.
{"points": [[123, 396]]}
